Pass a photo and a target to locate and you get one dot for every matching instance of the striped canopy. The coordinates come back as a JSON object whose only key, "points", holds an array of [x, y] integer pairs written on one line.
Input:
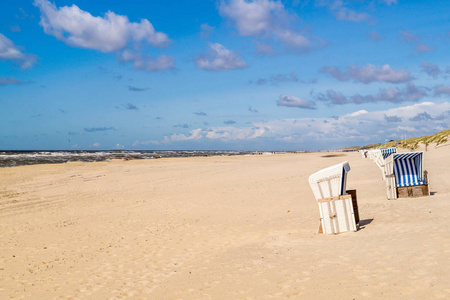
{"points": [[387, 151], [408, 168]]}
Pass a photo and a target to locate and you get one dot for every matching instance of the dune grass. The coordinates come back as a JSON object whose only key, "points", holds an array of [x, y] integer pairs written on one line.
{"points": [[437, 138]]}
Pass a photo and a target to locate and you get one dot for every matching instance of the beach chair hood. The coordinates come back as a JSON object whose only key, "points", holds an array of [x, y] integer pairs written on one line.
{"points": [[330, 182]]}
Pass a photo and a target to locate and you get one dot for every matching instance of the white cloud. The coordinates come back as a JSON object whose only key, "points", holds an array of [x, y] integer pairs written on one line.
{"points": [[327, 133], [405, 128], [110, 33], [341, 12], [292, 39], [221, 133], [9, 51], [144, 62], [10, 80], [206, 30], [411, 93], [225, 134], [422, 48], [292, 101], [219, 58], [407, 36], [195, 134], [363, 125], [357, 113], [276, 79], [389, 2], [264, 19], [137, 143], [79, 28], [252, 18], [369, 73]]}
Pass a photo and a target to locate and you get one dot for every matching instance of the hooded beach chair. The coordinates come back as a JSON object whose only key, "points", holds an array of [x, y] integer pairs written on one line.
{"points": [[363, 153], [372, 153], [337, 212], [379, 158], [388, 151], [405, 176]]}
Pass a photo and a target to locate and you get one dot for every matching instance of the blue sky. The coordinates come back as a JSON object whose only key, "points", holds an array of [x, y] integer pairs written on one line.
{"points": [[231, 74]]}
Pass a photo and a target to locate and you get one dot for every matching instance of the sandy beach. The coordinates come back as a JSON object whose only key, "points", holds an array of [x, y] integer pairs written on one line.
{"points": [[241, 227]]}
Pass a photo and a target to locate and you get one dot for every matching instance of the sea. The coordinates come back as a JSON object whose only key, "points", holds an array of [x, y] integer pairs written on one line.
{"points": [[23, 158]]}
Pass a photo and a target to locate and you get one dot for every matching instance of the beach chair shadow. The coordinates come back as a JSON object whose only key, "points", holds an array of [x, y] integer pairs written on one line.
{"points": [[363, 223]]}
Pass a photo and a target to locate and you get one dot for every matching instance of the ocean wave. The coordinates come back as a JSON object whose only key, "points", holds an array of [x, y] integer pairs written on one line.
{"points": [[21, 158]]}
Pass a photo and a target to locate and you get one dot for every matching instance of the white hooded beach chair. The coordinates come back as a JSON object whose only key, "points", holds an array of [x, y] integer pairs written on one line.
{"points": [[363, 153], [372, 153], [335, 206], [379, 158], [405, 176]]}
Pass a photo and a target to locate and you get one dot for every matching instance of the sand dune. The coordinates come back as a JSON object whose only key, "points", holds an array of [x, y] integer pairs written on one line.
{"points": [[240, 227]]}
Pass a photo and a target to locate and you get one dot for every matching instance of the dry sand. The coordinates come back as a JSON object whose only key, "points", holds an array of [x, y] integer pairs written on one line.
{"points": [[217, 228]]}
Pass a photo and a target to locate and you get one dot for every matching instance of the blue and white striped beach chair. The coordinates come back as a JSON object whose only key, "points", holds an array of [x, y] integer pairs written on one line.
{"points": [[403, 170], [388, 151]]}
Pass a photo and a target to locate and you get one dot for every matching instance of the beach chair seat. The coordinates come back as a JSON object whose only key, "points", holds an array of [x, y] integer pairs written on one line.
{"points": [[335, 205]]}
